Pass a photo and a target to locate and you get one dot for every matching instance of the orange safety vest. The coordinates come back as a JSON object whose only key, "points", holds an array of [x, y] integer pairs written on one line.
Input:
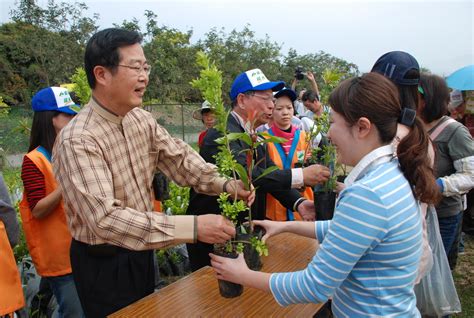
{"points": [[276, 211], [48, 239], [157, 205], [11, 292]]}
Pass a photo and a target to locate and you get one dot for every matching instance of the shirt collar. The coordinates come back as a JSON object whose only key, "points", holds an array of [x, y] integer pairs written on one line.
{"points": [[104, 112], [245, 125], [376, 156]]}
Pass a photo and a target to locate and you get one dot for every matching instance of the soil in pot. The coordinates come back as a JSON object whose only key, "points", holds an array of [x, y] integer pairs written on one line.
{"points": [[324, 203], [227, 289]]}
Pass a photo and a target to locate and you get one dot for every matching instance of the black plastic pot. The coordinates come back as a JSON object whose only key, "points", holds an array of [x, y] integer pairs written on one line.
{"points": [[253, 260], [324, 203], [178, 268], [165, 267], [227, 289]]}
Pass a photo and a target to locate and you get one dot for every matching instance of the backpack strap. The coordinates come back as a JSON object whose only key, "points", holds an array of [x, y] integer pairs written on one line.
{"points": [[435, 133]]}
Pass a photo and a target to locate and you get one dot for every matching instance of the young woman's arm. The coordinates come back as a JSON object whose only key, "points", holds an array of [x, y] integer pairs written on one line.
{"points": [[46, 205]]}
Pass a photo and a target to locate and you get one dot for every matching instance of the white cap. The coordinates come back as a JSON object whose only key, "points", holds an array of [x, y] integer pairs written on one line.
{"points": [[455, 99], [197, 114]]}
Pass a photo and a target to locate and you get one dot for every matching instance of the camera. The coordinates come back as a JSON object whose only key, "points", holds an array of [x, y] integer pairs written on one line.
{"points": [[299, 75]]}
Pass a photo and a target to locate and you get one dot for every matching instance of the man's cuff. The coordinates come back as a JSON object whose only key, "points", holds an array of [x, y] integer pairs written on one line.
{"points": [[185, 229], [297, 203], [297, 180], [219, 185], [440, 184]]}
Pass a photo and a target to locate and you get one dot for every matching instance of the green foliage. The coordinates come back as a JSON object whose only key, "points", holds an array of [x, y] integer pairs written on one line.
{"points": [[209, 83], [15, 130], [14, 185], [178, 199], [317, 63], [231, 210], [44, 45], [327, 157], [331, 78], [4, 109], [259, 246], [174, 256], [81, 86]]}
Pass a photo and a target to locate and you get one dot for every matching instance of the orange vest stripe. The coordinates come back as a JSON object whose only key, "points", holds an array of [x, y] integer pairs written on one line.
{"points": [[48, 239], [11, 292], [276, 211]]}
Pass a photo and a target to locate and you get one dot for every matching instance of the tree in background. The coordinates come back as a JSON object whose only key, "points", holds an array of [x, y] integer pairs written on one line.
{"points": [[41, 47], [44, 47]]}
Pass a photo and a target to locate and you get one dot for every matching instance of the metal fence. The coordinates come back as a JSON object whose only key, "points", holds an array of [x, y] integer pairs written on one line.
{"points": [[176, 118]]}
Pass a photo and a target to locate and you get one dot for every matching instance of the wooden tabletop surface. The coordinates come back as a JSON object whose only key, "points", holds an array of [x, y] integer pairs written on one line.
{"points": [[197, 294]]}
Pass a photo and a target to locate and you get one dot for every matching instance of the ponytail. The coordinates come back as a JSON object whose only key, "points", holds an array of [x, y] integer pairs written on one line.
{"points": [[412, 152]]}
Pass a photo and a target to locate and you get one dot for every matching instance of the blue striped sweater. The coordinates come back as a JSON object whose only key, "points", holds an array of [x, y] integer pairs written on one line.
{"points": [[369, 253]]}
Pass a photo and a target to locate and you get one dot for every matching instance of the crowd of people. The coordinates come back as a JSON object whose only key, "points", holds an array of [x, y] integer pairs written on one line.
{"points": [[88, 203]]}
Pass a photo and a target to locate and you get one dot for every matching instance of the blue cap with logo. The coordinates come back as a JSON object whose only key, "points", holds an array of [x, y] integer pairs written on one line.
{"points": [[56, 99], [395, 66], [253, 80]]}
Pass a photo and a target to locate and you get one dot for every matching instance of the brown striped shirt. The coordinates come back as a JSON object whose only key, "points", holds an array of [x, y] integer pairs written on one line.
{"points": [[105, 165]]}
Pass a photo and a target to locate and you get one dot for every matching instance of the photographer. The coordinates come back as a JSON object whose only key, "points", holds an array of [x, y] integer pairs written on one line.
{"points": [[299, 106]]}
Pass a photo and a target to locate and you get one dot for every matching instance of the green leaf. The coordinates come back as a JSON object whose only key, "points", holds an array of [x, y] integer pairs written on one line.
{"points": [[273, 139], [240, 136], [242, 174], [267, 171]]}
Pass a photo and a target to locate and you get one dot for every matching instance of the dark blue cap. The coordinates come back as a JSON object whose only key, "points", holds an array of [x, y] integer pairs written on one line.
{"points": [[291, 94], [395, 65], [253, 80]]}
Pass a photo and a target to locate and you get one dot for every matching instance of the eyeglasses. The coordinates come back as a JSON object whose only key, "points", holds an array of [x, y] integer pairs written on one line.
{"points": [[268, 99], [139, 69]]}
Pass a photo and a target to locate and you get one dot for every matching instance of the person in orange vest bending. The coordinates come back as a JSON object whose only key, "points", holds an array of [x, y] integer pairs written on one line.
{"points": [[11, 292], [42, 211], [285, 154]]}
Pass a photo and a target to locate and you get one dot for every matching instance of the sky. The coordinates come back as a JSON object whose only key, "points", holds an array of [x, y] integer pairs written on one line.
{"points": [[438, 33]]}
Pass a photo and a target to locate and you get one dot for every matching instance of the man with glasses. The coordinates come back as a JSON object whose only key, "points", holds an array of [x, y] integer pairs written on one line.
{"points": [[105, 160], [252, 93]]}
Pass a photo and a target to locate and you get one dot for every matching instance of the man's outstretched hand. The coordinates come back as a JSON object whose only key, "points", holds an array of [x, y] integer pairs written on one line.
{"points": [[212, 228]]}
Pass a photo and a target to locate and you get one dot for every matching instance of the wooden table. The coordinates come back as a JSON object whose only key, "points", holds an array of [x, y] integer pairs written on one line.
{"points": [[197, 295]]}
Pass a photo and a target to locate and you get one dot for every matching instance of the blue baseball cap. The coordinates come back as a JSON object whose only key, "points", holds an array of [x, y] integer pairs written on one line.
{"points": [[253, 80], [285, 91], [56, 99], [395, 65]]}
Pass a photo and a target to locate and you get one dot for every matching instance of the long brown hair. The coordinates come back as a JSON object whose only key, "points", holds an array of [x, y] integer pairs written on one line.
{"points": [[376, 98]]}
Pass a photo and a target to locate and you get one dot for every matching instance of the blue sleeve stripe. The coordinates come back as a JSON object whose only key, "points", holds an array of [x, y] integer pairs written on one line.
{"points": [[402, 211], [321, 228], [393, 178], [331, 255], [356, 208], [411, 228], [332, 244], [393, 260], [356, 232], [408, 195], [348, 241], [394, 191], [364, 224], [409, 248], [376, 204], [381, 173]]}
